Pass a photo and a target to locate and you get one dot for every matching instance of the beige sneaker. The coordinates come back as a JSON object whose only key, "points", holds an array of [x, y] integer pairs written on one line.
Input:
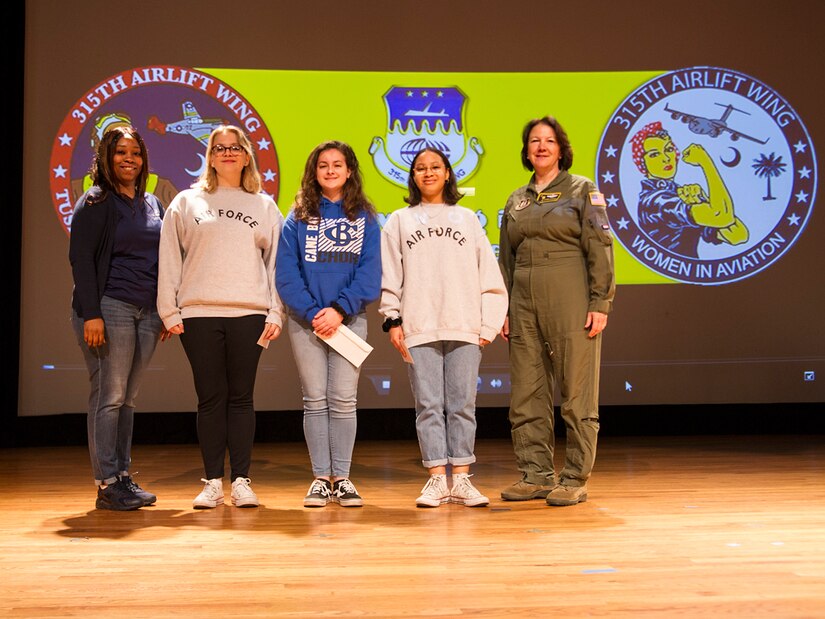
{"points": [[434, 493], [562, 496], [524, 491], [242, 494], [465, 493], [211, 495]]}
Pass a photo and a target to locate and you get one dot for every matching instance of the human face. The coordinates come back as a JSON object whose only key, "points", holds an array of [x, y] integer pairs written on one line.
{"points": [[127, 163], [660, 157], [543, 150], [228, 165], [430, 176], [331, 172]]}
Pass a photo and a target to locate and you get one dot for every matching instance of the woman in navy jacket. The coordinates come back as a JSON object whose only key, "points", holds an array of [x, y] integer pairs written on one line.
{"points": [[113, 250]]}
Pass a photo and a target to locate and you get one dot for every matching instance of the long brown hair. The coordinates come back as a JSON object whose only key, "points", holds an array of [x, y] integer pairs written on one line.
{"points": [[451, 193], [308, 201]]}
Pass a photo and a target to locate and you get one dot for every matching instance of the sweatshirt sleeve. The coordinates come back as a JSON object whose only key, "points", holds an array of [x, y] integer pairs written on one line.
{"points": [[170, 264], [289, 276], [494, 298], [392, 270], [88, 228], [276, 313], [365, 286]]}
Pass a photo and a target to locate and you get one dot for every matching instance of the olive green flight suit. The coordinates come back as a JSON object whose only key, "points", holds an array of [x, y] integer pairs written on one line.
{"points": [[556, 255]]}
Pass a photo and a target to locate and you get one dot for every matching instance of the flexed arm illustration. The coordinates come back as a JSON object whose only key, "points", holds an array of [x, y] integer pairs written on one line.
{"points": [[713, 209]]}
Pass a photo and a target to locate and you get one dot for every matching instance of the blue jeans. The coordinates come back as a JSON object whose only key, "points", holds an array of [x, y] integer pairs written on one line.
{"points": [[444, 379], [115, 371], [330, 386]]}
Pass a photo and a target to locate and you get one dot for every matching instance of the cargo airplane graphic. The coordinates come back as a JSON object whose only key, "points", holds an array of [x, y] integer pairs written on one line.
{"points": [[713, 127]]}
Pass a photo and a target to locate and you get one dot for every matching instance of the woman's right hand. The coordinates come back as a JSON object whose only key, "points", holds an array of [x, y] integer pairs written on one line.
{"points": [[397, 339], [505, 329], [94, 332]]}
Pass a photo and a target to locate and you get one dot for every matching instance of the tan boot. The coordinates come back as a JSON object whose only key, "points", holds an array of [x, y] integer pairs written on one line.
{"points": [[524, 491], [562, 496]]}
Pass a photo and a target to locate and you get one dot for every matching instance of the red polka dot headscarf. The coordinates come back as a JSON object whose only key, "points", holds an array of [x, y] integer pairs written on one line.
{"points": [[637, 142]]}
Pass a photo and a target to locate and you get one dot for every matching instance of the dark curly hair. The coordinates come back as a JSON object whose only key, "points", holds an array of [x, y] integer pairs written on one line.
{"points": [[308, 201]]}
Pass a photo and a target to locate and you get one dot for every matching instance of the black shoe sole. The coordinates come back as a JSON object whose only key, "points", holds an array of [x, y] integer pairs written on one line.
{"points": [[116, 508]]}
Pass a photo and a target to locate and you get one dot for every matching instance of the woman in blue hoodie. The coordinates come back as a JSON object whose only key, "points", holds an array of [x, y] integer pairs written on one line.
{"points": [[328, 270]]}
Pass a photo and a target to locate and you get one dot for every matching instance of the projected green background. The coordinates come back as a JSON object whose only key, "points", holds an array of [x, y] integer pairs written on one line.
{"points": [[303, 108]]}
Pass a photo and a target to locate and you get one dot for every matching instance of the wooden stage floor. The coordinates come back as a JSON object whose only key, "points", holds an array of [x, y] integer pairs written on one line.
{"points": [[729, 526]]}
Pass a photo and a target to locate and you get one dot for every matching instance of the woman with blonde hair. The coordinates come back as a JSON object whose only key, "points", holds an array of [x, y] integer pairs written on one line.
{"points": [[217, 291]]}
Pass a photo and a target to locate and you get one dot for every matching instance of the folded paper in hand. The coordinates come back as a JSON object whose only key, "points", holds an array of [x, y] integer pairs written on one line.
{"points": [[348, 345]]}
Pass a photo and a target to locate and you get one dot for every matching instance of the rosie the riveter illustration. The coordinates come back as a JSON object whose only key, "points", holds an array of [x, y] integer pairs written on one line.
{"points": [[676, 216]]}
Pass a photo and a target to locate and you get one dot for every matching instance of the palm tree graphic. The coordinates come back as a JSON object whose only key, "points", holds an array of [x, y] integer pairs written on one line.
{"points": [[769, 166]]}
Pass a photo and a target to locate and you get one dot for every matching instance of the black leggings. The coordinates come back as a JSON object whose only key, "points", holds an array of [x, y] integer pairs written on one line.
{"points": [[224, 354]]}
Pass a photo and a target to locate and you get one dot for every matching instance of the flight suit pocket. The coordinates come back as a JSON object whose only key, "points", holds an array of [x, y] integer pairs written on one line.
{"points": [[597, 217]]}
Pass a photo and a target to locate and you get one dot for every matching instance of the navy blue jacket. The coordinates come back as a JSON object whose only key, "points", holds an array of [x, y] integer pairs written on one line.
{"points": [[91, 243]]}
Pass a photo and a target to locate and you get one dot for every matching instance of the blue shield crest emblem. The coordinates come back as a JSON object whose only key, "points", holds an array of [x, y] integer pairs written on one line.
{"points": [[419, 118]]}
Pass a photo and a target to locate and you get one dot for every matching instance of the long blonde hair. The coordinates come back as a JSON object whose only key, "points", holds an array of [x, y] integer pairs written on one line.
{"points": [[250, 177]]}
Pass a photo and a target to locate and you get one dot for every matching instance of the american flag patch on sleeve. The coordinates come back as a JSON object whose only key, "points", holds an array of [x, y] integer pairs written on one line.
{"points": [[597, 198]]}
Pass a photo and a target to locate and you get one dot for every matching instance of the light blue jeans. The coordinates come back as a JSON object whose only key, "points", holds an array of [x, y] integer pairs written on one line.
{"points": [[330, 386], [444, 379], [115, 371]]}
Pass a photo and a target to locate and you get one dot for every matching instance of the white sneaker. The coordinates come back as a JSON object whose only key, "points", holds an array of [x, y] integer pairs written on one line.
{"points": [[242, 494], [465, 493], [434, 492], [211, 495]]}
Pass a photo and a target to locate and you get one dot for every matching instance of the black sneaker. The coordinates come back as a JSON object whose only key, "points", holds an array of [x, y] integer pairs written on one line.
{"points": [[319, 494], [345, 494], [117, 497], [147, 497]]}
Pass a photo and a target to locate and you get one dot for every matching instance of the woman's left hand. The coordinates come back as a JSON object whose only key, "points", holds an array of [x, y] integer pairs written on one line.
{"points": [[271, 331], [596, 322], [482, 342]]}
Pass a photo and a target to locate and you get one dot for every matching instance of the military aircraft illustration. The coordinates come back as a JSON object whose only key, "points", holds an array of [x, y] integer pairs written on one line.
{"points": [[191, 124], [714, 127], [426, 112]]}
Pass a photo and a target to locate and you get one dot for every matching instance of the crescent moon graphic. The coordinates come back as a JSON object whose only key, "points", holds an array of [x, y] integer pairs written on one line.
{"points": [[737, 157], [197, 173]]}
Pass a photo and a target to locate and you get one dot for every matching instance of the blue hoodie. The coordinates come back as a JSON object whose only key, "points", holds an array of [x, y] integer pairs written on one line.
{"points": [[328, 260]]}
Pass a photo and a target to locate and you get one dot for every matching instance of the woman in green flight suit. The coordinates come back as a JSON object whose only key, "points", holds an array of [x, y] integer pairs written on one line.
{"points": [[556, 255]]}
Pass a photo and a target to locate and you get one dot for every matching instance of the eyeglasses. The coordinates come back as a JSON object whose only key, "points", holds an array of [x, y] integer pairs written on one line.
{"points": [[220, 149], [435, 169]]}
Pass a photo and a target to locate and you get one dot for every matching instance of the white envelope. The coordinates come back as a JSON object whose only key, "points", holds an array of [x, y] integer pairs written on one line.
{"points": [[348, 345]]}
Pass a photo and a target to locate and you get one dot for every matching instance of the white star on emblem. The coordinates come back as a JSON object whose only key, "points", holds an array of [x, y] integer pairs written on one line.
{"points": [[607, 177], [409, 93], [263, 144], [612, 201], [610, 151], [801, 197], [269, 175], [425, 93], [800, 146], [60, 172], [793, 220], [65, 140], [804, 172], [623, 223], [440, 93]]}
